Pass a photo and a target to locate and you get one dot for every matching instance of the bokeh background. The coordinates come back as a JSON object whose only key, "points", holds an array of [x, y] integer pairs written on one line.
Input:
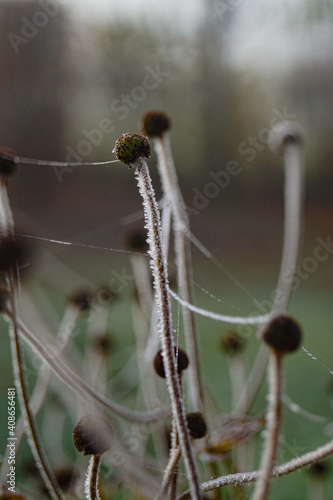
{"points": [[75, 75]]}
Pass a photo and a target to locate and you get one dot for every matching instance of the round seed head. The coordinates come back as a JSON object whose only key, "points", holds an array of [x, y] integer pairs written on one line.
{"points": [[319, 469], [284, 133], [129, 147], [154, 123], [81, 299], [93, 435], [196, 425], [13, 253], [283, 334], [4, 296], [137, 242], [8, 161], [103, 344], [231, 343], [181, 358]]}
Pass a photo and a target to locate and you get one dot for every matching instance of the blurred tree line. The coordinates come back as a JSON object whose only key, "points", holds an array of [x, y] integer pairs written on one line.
{"points": [[68, 89]]}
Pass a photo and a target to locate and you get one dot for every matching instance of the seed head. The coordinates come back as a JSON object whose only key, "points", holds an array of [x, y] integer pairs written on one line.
{"points": [[137, 241], [181, 357], [81, 299], [93, 435], [196, 425], [282, 334], [8, 161], [131, 146], [13, 253], [154, 123], [231, 343], [284, 133]]}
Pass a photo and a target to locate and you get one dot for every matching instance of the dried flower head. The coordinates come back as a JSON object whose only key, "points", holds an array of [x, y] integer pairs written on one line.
{"points": [[137, 241], [283, 334], [154, 123], [13, 253], [93, 435], [131, 146], [8, 161], [196, 425], [284, 133], [81, 299], [181, 357], [231, 343]]}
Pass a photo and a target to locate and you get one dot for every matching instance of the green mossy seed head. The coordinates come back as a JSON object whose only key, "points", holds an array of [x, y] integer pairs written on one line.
{"points": [[154, 123], [8, 162], [129, 147], [282, 334], [93, 435]]}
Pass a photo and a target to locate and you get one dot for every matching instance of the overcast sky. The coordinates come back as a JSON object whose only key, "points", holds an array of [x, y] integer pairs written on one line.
{"points": [[185, 11]]}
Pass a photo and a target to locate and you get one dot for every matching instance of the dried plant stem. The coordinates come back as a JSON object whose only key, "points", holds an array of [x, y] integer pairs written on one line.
{"points": [[273, 429], [91, 483], [80, 386], [169, 473], [293, 220], [12, 278], [183, 260], [159, 268], [282, 470], [23, 394], [40, 389]]}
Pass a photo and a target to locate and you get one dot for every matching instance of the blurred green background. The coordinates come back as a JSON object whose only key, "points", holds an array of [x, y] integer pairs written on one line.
{"points": [[72, 82]]}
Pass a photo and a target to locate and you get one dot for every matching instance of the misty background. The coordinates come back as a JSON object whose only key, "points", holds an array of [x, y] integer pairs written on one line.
{"points": [[75, 77]]}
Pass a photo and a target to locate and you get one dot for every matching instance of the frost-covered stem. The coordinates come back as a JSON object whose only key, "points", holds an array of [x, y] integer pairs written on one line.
{"points": [[79, 386], [282, 470], [273, 429], [293, 217], [91, 483], [23, 394], [183, 260], [293, 198], [170, 471], [12, 278], [40, 389], [159, 268]]}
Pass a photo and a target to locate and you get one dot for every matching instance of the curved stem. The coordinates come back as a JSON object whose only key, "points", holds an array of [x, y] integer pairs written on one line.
{"points": [[282, 470], [159, 269], [23, 393], [80, 386], [293, 207]]}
